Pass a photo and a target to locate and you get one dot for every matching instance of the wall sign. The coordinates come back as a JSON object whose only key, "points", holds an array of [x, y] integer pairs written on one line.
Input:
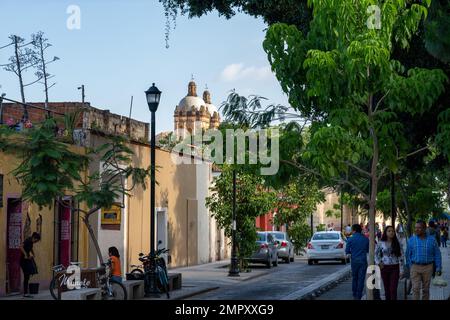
{"points": [[112, 216]]}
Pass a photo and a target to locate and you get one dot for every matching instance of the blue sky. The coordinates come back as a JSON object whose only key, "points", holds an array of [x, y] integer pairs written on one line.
{"points": [[120, 50]]}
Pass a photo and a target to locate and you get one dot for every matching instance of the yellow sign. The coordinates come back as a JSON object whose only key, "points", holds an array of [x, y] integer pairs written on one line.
{"points": [[112, 215]]}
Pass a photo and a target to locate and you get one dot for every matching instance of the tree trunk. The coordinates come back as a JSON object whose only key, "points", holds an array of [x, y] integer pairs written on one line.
{"points": [[19, 68], [408, 212], [93, 237], [373, 188], [44, 70]]}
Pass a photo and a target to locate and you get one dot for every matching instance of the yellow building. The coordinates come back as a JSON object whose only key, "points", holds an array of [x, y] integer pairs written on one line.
{"points": [[62, 237]]}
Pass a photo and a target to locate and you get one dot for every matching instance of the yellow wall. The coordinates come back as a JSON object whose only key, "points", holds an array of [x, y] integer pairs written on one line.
{"points": [[43, 249], [176, 191]]}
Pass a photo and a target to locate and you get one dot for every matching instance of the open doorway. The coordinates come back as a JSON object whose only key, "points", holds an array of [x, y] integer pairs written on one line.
{"points": [[14, 241]]}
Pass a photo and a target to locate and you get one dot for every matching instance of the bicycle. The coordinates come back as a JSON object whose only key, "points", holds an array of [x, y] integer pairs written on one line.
{"points": [[156, 263], [110, 289]]}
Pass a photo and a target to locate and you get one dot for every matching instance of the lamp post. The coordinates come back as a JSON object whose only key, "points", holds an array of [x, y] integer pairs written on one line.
{"points": [[234, 269], [153, 96]]}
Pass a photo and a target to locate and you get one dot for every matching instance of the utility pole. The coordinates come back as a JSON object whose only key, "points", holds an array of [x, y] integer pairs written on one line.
{"points": [[1, 107], [82, 94]]}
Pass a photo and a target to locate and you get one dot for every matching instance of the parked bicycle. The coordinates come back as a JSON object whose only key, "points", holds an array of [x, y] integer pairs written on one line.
{"points": [[110, 289], [156, 263]]}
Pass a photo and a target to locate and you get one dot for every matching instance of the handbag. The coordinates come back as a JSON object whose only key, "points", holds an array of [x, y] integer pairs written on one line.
{"points": [[439, 281], [33, 266]]}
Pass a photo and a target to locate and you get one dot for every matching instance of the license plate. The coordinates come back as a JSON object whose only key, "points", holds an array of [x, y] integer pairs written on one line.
{"points": [[325, 247]]}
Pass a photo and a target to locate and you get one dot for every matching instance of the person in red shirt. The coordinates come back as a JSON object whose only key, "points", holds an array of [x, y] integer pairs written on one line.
{"points": [[116, 269]]}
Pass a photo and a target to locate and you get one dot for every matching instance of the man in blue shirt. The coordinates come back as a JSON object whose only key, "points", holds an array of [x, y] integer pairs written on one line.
{"points": [[358, 247], [422, 254]]}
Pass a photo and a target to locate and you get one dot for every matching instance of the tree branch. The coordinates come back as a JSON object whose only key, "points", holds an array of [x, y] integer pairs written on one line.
{"points": [[364, 172], [339, 181], [414, 152], [379, 102]]}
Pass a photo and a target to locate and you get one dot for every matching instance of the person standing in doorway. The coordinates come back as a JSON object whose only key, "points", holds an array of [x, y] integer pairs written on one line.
{"points": [[27, 262], [358, 247], [116, 269], [421, 254], [389, 257]]}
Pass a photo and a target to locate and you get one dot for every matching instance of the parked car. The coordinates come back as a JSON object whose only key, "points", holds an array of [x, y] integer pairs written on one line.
{"points": [[266, 250], [326, 245], [285, 246]]}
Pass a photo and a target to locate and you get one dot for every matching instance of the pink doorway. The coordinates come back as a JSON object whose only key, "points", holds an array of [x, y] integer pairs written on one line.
{"points": [[14, 242], [65, 234]]}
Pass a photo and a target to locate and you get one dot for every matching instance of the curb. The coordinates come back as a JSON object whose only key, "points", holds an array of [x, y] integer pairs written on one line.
{"points": [[321, 286], [189, 295]]}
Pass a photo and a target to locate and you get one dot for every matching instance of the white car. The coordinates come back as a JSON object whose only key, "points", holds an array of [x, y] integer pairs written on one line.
{"points": [[326, 245]]}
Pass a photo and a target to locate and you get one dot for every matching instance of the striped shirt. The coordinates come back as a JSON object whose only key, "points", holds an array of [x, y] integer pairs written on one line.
{"points": [[423, 251]]}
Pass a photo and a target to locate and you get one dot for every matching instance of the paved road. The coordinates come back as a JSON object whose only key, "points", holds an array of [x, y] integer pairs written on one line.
{"points": [[280, 282]]}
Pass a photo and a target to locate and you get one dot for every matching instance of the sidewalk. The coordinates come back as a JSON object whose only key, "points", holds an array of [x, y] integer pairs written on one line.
{"points": [[344, 290], [208, 277]]}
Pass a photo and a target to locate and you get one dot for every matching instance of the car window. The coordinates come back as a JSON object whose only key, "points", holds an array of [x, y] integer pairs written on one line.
{"points": [[326, 236], [261, 237], [270, 238], [279, 236]]}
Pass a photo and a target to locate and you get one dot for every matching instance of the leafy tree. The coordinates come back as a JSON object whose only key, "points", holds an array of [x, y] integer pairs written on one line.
{"points": [[252, 200], [50, 170], [341, 75], [297, 201]]}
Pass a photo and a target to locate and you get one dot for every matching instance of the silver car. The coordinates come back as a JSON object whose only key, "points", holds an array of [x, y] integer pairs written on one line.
{"points": [[266, 250], [327, 245], [285, 246]]}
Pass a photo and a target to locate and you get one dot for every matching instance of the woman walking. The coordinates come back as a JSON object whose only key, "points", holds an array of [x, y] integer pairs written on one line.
{"points": [[389, 257]]}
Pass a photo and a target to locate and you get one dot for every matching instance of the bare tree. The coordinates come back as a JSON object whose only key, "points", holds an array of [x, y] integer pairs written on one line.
{"points": [[41, 44], [23, 59]]}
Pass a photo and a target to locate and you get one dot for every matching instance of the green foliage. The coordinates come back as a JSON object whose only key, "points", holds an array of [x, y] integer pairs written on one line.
{"points": [[48, 169], [297, 201], [342, 76], [252, 201]]}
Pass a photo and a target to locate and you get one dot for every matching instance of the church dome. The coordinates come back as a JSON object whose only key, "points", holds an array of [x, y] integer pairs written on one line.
{"points": [[188, 102]]}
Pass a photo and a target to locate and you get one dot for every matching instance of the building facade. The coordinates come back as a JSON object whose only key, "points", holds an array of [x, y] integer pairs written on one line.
{"points": [[194, 114]]}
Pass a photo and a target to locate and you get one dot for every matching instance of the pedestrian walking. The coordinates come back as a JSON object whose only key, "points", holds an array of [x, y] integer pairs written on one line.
{"points": [[390, 258], [348, 230], [421, 254], [27, 262], [444, 237], [116, 270], [358, 247]]}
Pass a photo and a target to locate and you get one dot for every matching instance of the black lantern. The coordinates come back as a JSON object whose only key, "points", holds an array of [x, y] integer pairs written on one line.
{"points": [[153, 96]]}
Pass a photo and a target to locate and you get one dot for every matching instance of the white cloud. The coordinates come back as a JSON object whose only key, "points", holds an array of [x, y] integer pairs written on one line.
{"points": [[239, 71]]}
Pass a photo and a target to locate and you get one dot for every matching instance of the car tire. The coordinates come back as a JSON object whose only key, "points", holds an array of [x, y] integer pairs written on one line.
{"points": [[310, 262], [287, 260], [292, 259], [343, 261], [316, 261]]}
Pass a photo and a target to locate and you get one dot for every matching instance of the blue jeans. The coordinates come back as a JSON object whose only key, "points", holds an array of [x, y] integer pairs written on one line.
{"points": [[359, 270], [116, 279]]}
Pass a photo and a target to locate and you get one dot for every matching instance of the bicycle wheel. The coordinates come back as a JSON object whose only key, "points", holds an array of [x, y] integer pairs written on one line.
{"points": [[163, 281], [138, 274], [54, 289], [118, 290]]}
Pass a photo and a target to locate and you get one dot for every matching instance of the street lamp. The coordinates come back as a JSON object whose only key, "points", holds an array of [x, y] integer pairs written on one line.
{"points": [[234, 269], [153, 96]]}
